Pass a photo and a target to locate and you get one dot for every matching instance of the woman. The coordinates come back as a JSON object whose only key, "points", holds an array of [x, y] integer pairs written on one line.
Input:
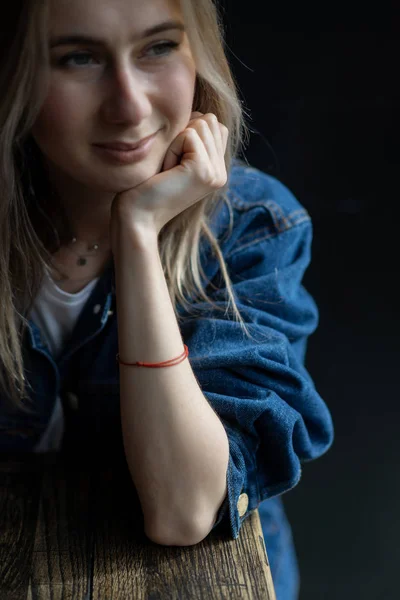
{"points": [[129, 232]]}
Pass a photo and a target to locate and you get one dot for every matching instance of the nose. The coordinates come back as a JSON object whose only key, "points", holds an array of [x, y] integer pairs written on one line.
{"points": [[128, 96]]}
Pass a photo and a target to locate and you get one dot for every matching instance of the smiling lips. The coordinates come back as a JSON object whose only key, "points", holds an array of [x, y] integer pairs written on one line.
{"points": [[124, 153], [124, 146]]}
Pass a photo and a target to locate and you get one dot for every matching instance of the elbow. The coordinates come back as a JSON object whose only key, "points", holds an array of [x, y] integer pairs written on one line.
{"points": [[189, 535]]}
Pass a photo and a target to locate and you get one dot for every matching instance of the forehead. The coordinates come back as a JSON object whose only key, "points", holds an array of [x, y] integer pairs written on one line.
{"points": [[102, 16]]}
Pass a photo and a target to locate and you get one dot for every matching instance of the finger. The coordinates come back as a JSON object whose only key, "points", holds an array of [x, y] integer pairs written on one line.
{"points": [[182, 145], [175, 151], [195, 115], [195, 151], [216, 147], [207, 136], [225, 135], [220, 132], [214, 126], [220, 138], [195, 159]]}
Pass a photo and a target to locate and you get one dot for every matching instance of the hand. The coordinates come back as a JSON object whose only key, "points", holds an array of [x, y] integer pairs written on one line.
{"points": [[193, 167]]}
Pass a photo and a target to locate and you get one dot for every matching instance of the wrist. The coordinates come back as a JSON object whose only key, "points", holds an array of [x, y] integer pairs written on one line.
{"points": [[128, 232]]}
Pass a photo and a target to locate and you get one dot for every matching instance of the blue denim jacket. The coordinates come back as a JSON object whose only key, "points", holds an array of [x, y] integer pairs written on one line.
{"points": [[274, 417]]}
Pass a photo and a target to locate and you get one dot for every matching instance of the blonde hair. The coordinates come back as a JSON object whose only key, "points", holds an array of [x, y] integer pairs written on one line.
{"points": [[26, 240]]}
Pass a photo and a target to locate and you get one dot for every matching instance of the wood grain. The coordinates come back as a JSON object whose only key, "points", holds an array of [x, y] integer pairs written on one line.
{"points": [[70, 531]]}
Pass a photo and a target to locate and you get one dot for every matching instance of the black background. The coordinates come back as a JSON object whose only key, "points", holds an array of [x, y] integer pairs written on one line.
{"points": [[321, 83]]}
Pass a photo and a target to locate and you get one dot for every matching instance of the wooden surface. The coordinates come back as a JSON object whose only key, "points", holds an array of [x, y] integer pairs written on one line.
{"points": [[69, 531]]}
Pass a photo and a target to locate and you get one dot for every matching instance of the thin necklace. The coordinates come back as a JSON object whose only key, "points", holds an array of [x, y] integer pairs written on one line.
{"points": [[82, 258]]}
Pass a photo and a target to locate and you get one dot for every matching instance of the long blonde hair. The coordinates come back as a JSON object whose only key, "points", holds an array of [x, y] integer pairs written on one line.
{"points": [[27, 240]]}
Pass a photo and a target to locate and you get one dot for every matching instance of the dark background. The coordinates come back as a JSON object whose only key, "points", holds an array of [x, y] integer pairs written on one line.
{"points": [[322, 86]]}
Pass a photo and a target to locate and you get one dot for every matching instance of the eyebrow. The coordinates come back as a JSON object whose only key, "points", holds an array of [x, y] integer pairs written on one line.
{"points": [[68, 40]]}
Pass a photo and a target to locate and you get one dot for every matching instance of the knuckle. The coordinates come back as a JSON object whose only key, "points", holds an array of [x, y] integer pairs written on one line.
{"points": [[203, 125], [219, 181], [212, 118], [209, 178]]}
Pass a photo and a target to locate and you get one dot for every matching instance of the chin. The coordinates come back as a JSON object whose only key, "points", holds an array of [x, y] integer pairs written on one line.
{"points": [[122, 179]]}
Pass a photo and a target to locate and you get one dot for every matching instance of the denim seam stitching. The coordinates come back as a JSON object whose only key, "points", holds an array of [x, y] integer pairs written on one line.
{"points": [[253, 242], [289, 220]]}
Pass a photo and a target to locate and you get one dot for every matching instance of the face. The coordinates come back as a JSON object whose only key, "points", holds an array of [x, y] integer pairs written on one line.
{"points": [[123, 88]]}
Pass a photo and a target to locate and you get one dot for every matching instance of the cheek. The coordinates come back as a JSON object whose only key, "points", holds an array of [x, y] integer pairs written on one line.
{"points": [[178, 87], [59, 117]]}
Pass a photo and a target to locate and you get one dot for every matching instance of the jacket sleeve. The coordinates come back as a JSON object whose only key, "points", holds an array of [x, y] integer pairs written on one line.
{"points": [[259, 388]]}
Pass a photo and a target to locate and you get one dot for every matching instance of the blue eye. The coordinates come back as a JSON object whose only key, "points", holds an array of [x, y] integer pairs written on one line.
{"points": [[80, 59], [65, 60], [168, 46]]}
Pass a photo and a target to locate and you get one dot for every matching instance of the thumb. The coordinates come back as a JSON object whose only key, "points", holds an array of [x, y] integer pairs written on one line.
{"points": [[174, 153]]}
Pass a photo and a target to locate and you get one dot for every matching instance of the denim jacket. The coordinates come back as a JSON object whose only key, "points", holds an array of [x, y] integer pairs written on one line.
{"points": [[273, 415]]}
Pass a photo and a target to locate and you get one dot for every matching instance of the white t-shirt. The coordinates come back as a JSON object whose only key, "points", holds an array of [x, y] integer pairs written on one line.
{"points": [[56, 312]]}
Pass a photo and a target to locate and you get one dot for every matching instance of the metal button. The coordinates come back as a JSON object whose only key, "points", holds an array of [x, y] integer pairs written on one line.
{"points": [[73, 400], [242, 504], [97, 309]]}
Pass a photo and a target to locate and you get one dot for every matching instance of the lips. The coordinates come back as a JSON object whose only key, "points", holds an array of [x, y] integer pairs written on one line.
{"points": [[124, 146]]}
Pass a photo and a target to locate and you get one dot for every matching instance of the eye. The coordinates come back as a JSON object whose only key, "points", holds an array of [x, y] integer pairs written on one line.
{"points": [[166, 48], [73, 56], [81, 59]]}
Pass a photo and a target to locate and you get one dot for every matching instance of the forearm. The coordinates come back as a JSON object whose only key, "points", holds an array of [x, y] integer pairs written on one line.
{"points": [[176, 447]]}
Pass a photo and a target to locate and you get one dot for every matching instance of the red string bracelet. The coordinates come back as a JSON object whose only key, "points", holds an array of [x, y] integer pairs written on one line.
{"points": [[167, 363]]}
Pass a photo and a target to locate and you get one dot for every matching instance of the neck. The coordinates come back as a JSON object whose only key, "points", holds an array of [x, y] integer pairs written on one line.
{"points": [[88, 211]]}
